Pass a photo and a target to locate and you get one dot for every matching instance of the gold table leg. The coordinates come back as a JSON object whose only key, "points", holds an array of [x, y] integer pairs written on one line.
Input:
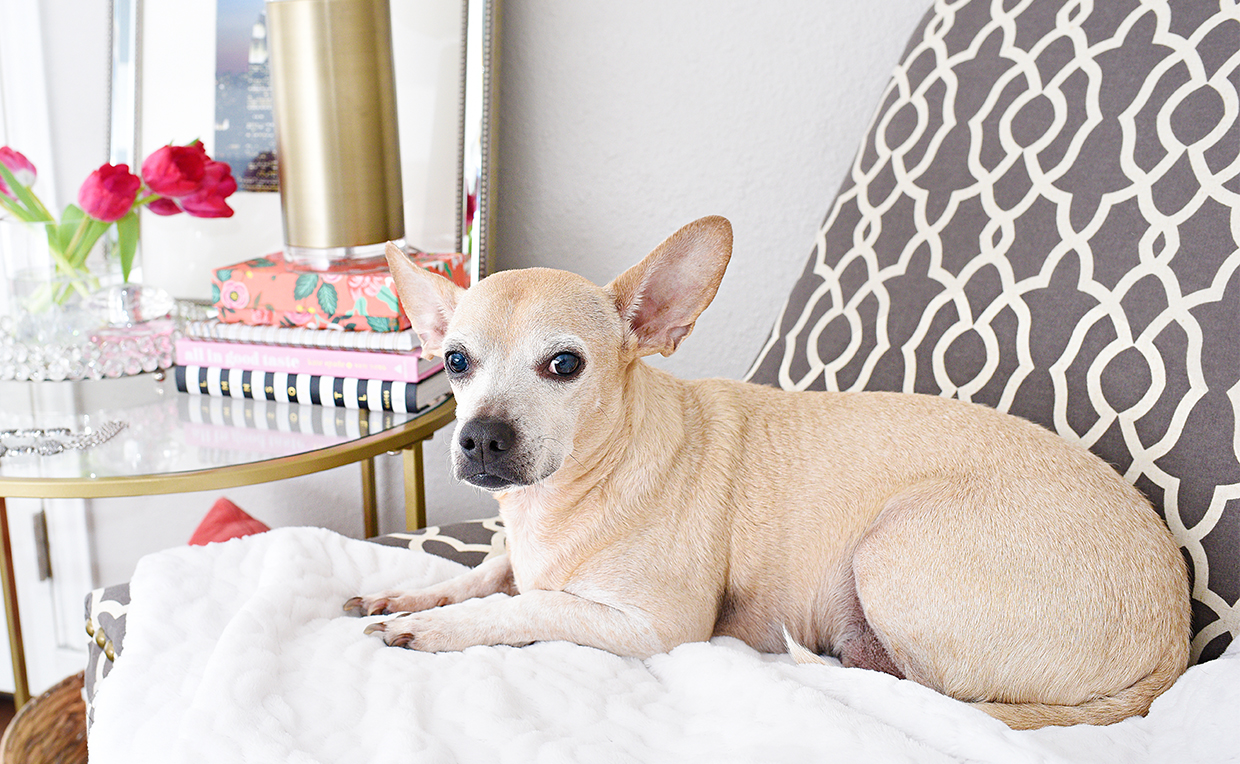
{"points": [[21, 692], [415, 488], [370, 499]]}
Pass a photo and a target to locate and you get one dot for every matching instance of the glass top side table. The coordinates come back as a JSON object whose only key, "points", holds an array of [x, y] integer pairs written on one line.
{"points": [[163, 441]]}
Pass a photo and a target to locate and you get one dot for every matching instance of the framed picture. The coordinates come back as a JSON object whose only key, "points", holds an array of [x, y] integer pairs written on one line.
{"points": [[245, 128]]}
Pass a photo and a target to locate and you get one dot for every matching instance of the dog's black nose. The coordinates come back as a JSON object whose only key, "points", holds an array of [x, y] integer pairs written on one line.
{"points": [[486, 445], [483, 439]]}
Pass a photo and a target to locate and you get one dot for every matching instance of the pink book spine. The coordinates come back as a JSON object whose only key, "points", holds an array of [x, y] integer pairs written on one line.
{"points": [[358, 364]]}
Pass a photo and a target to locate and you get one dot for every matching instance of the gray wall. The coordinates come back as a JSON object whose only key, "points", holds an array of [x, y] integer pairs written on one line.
{"points": [[620, 122]]}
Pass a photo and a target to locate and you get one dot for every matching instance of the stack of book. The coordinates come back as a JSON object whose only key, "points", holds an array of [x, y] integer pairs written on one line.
{"points": [[302, 366], [333, 339]]}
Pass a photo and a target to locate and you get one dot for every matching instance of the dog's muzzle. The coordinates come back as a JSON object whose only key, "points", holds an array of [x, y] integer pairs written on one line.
{"points": [[490, 458]]}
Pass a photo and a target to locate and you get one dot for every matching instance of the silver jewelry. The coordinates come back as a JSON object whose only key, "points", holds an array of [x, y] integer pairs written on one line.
{"points": [[48, 441]]}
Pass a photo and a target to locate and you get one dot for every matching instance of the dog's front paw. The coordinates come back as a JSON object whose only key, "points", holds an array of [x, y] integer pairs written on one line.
{"points": [[428, 632], [386, 603]]}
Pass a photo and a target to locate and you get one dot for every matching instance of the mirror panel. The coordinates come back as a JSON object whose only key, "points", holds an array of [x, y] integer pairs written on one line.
{"points": [[479, 141], [445, 52], [123, 115]]}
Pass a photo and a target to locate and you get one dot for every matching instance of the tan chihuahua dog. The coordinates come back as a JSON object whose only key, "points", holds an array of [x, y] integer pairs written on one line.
{"points": [[965, 549]]}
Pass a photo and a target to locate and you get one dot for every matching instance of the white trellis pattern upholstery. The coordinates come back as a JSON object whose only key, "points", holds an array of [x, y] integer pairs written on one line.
{"points": [[1045, 217]]}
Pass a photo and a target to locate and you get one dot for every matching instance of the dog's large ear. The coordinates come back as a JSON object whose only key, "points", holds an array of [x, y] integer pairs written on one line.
{"points": [[662, 296], [428, 298]]}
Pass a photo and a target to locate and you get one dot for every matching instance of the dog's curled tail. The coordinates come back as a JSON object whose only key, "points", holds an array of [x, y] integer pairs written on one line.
{"points": [[799, 652], [1133, 700]]}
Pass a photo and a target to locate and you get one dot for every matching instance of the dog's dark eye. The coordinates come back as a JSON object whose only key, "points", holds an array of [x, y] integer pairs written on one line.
{"points": [[456, 362], [565, 365]]}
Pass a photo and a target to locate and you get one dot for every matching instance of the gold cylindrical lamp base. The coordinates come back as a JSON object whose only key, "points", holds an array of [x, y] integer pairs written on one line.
{"points": [[337, 144]]}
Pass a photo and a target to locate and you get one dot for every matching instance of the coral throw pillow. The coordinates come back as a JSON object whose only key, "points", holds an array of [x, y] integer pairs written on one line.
{"points": [[225, 521]]}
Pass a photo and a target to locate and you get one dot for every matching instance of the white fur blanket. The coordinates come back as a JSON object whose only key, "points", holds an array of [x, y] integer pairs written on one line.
{"points": [[241, 652]]}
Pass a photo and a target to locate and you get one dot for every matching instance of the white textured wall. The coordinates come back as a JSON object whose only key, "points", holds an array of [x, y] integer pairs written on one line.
{"points": [[620, 122]]}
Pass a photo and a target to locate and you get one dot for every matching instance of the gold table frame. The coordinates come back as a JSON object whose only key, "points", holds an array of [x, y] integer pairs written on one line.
{"points": [[406, 437]]}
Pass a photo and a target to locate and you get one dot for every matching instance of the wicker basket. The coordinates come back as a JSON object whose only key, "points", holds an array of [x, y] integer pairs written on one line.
{"points": [[50, 728]]}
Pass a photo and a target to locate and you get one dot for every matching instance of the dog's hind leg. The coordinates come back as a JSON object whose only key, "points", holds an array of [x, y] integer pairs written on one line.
{"points": [[856, 644], [860, 647]]}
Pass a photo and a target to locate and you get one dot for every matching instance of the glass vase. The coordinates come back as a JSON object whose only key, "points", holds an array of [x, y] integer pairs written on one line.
{"points": [[60, 323], [45, 326]]}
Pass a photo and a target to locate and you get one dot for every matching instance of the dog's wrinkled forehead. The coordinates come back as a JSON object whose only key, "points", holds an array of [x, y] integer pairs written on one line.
{"points": [[511, 307]]}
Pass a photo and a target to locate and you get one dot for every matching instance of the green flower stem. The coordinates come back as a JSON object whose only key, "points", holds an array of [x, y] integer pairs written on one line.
{"points": [[62, 262], [58, 292], [71, 254], [70, 250], [30, 208], [14, 209]]}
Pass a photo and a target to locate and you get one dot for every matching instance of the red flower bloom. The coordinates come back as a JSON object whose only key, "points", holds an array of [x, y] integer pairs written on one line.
{"points": [[109, 192], [208, 201], [20, 166], [175, 170], [187, 180], [165, 206]]}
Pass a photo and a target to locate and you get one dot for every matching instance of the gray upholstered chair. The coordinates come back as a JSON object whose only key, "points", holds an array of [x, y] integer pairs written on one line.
{"points": [[1045, 218]]}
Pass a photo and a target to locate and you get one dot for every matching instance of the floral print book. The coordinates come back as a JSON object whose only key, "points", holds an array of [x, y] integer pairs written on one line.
{"points": [[268, 291]]}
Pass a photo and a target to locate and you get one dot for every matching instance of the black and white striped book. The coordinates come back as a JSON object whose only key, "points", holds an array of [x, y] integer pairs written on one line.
{"points": [[345, 392]]}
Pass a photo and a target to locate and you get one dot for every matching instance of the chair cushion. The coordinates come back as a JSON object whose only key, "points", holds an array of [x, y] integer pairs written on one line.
{"points": [[469, 543], [1044, 218]]}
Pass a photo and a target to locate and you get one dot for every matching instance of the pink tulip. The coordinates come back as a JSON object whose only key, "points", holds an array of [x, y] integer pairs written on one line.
{"points": [[175, 170], [20, 166], [208, 201], [165, 206], [109, 192]]}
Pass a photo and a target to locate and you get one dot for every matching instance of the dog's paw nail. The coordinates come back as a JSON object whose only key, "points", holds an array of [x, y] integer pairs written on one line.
{"points": [[353, 603], [372, 628], [402, 640], [378, 607]]}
